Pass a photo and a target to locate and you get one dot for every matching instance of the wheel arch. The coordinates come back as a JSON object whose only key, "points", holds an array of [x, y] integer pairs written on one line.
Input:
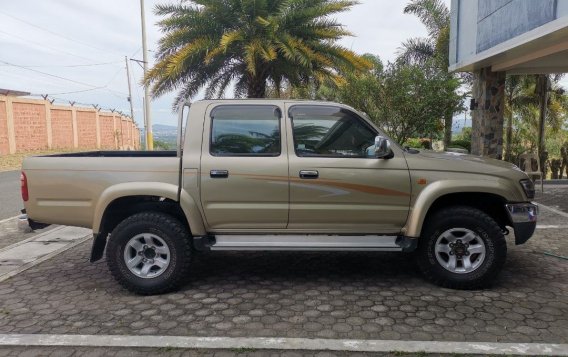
{"points": [[489, 198], [123, 200]]}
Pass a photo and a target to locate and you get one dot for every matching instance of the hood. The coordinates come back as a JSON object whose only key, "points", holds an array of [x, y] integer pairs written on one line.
{"points": [[456, 162]]}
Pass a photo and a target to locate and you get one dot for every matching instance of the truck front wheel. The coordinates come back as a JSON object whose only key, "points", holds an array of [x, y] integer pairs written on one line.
{"points": [[149, 253], [461, 248]]}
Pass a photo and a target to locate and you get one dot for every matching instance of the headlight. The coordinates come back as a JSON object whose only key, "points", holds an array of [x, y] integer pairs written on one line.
{"points": [[528, 187]]}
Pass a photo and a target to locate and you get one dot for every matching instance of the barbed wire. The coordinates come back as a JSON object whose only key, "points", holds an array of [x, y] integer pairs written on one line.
{"points": [[52, 99]]}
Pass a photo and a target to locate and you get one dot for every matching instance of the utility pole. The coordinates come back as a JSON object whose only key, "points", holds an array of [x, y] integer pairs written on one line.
{"points": [[129, 89], [148, 118]]}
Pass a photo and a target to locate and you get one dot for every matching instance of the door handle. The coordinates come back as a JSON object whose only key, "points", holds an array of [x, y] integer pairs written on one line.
{"points": [[309, 174], [219, 173]]}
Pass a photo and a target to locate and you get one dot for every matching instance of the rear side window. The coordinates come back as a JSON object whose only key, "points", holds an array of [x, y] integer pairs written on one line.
{"points": [[245, 130], [328, 131]]}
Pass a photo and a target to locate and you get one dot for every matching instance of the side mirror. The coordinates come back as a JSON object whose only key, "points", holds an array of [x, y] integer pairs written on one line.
{"points": [[383, 148]]}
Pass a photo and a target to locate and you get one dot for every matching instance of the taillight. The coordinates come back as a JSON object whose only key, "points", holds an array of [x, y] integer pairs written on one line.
{"points": [[24, 186]]}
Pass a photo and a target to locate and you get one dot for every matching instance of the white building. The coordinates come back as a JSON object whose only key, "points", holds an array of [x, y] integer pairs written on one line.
{"points": [[492, 38]]}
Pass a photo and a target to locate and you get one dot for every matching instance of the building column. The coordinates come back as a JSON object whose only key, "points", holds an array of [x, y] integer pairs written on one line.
{"points": [[10, 124], [48, 124], [489, 94], [75, 131]]}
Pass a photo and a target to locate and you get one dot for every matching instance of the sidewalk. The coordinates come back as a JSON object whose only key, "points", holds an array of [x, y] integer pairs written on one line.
{"points": [[555, 196]]}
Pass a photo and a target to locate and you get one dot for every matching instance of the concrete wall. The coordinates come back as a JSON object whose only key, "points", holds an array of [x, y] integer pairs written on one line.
{"points": [[478, 25], [30, 125]]}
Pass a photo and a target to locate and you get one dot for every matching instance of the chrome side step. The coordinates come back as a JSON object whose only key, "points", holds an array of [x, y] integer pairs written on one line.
{"points": [[306, 242]]}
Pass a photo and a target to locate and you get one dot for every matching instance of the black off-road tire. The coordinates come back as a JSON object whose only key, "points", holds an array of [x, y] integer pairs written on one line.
{"points": [[478, 222], [177, 238]]}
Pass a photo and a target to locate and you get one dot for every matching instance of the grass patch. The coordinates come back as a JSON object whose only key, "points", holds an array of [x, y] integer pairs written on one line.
{"points": [[14, 161]]}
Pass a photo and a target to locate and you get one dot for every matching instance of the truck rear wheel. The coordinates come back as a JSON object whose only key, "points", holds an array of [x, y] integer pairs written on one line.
{"points": [[461, 248], [149, 253]]}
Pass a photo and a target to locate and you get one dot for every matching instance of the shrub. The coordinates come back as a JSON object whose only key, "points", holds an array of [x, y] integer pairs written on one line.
{"points": [[464, 144]]}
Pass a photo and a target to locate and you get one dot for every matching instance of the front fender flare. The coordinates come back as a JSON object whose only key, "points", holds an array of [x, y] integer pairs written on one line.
{"points": [[438, 189]]}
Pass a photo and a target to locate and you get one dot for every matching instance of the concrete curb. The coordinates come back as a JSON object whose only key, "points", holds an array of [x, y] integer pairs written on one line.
{"points": [[8, 219], [553, 210], [267, 343], [32, 238], [31, 264]]}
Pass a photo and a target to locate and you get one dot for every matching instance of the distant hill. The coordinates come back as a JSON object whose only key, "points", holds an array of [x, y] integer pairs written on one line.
{"points": [[166, 134], [164, 128]]}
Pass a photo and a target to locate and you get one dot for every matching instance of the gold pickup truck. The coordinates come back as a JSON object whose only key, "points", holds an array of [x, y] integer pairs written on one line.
{"points": [[283, 175]]}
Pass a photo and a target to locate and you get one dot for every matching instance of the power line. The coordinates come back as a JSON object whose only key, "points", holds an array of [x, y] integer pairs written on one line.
{"points": [[48, 47], [70, 65], [93, 87], [54, 33]]}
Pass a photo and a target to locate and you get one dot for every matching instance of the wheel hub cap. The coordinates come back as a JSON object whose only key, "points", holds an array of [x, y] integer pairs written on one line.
{"points": [[147, 255], [460, 250]]}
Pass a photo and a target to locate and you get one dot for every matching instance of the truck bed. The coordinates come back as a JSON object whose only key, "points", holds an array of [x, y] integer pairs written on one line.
{"points": [[72, 188], [116, 153]]}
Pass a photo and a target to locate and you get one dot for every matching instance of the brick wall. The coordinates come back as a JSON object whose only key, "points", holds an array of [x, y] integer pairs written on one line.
{"points": [[87, 129], [107, 132], [4, 145], [30, 124], [61, 128]]}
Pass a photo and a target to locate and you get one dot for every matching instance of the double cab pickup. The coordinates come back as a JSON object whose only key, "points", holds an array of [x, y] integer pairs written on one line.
{"points": [[281, 175]]}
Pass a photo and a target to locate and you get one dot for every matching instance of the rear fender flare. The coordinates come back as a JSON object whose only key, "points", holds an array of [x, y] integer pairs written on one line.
{"points": [[158, 189]]}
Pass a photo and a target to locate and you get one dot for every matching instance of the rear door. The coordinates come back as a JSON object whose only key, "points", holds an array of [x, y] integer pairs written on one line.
{"points": [[336, 183], [244, 168]]}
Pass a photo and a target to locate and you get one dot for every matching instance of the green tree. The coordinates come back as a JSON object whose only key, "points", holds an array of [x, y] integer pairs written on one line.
{"points": [[434, 49], [251, 43], [404, 99]]}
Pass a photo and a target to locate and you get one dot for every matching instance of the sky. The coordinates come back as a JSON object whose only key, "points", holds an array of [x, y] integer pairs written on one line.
{"points": [[75, 50]]}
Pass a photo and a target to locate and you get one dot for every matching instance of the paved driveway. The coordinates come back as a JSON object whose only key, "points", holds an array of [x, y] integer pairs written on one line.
{"points": [[356, 295], [10, 197], [325, 295]]}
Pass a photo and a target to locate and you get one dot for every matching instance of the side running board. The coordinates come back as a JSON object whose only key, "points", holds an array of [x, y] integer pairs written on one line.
{"points": [[305, 242]]}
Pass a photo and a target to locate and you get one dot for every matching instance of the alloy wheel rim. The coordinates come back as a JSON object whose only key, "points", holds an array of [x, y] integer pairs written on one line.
{"points": [[460, 250], [147, 255]]}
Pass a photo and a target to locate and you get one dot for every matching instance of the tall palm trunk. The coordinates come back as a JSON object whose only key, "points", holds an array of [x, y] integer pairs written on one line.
{"points": [[256, 87], [509, 139]]}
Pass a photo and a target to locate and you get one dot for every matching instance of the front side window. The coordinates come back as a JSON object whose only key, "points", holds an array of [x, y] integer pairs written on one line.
{"points": [[329, 131], [245, 130]]}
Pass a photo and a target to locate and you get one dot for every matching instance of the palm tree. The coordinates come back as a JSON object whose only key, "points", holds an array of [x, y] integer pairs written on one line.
{"points": [[518, 95], [523, 101], [431, 51], [435, 16], [212, 44]]}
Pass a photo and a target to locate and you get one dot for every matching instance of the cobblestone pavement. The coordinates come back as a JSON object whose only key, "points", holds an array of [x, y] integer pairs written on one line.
{"points": [[10, 234], [169, 352], [325, 295], [554, 196]]}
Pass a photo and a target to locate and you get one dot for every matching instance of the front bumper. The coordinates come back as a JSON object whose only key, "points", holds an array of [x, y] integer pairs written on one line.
{"points": [[523, 217]]}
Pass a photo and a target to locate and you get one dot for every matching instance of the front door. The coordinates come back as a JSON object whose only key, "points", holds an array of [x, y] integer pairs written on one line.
{"points": [[336, 183], [244, 168]]}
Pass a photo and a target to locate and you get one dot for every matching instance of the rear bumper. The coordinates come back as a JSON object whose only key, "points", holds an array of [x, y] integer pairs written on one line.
{"points": [[523, 217], [24, 221]]}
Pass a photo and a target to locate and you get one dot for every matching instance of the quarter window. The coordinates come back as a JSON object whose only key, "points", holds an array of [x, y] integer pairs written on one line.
{"points": [[328, 131], [245, 130]]}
